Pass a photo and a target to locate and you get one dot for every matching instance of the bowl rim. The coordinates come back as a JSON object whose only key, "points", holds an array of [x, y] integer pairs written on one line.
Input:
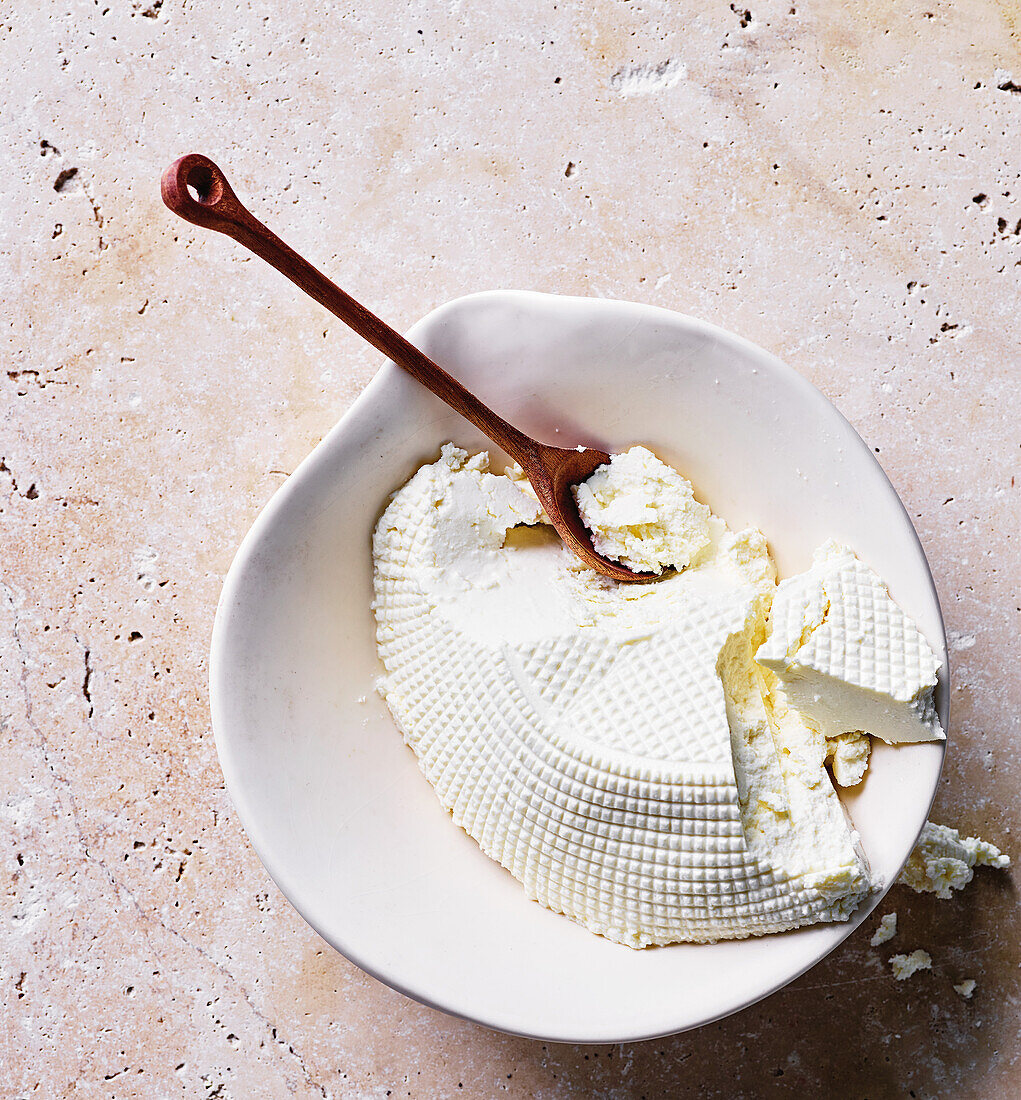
{"points": [[227, 750]]}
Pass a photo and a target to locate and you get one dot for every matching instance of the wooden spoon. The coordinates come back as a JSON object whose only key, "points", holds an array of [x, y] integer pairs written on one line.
{"points": [[198, 191]]}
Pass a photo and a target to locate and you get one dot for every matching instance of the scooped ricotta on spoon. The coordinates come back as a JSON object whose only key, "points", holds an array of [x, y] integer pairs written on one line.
{"points": [[642, 513], [616, 747]]}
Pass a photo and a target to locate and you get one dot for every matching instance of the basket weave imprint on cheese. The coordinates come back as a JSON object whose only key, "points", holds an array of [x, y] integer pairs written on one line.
{"points": [[615, 747]]}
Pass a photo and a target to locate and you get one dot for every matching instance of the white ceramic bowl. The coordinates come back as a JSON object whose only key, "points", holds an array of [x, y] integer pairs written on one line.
{"points": [[331, 797]]}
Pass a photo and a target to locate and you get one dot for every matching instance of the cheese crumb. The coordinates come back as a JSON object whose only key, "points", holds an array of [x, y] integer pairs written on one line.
{"points": [[886, 931], [848, 756], [906, 965], [643, 514], [943, 860], [966, 988]]}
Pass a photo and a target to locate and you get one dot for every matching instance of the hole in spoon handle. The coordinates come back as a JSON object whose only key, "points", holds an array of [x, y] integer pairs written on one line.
{"points": [[194, 188], [198, 191]]}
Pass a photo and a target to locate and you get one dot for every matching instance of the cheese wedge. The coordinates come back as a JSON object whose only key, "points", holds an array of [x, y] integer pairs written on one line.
{"points": [[847, 657]]}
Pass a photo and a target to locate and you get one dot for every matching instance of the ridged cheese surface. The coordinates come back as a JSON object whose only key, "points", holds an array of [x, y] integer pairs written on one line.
{"points": [[615, 747]]}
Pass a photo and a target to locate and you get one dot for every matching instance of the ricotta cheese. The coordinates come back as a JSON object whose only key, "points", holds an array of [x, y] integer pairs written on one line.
{"points": [[615, 747], [848, 757], [643, 514], [944, 861], [906, 965], [648, 760], [886, 931], [847, 656]]}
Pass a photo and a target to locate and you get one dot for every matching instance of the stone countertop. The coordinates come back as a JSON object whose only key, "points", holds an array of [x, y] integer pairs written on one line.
{"points": [[836, 181]]}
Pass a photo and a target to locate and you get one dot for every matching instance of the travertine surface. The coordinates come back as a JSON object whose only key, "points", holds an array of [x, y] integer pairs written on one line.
{"points": [[836, 181]]}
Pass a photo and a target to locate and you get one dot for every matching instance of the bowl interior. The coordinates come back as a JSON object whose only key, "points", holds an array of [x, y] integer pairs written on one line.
{"points": [[331, 797]]}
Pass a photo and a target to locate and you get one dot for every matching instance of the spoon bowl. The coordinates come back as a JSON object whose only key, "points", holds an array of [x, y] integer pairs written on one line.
{"points": [[553, 477]]}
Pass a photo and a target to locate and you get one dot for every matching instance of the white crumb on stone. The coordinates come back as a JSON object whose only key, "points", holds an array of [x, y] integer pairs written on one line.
{"points": [[632, 80], [966, 988], [886, 931], [906, 965], [944, 861], [959, 642]]}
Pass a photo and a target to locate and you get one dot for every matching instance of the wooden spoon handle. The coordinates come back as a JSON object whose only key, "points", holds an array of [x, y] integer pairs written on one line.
{"points": [[198, 191]]}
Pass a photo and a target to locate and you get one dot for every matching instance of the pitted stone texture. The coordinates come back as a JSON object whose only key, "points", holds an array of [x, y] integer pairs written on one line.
{"points": [[837, 182]]}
